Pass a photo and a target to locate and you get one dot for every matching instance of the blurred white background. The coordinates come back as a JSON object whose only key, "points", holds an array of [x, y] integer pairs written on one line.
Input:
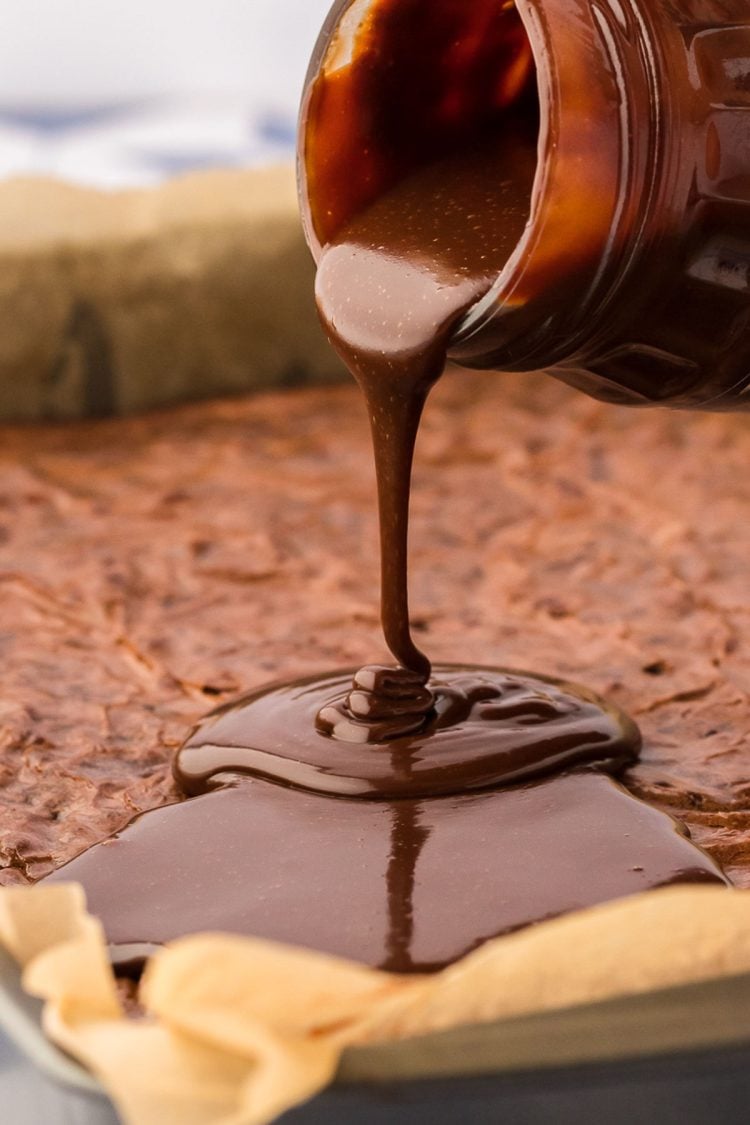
{"points": [[115, 92], [77, 51]]}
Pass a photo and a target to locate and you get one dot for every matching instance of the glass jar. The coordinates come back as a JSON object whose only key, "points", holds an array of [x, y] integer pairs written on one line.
{"points": [[632, 279]]}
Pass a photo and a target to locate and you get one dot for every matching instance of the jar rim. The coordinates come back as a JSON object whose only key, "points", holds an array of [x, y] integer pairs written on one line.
{"points": [[598, 120]]}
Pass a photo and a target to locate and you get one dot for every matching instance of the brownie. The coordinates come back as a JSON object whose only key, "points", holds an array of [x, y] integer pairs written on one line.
{"points": [[150, 568]]}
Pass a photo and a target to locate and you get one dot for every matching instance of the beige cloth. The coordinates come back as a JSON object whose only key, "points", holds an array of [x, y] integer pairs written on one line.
{"points": [[239, 1030], [118, 301]]}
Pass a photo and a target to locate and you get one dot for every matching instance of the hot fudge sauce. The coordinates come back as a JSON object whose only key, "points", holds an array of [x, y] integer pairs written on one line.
{"points": [[398, 816]]}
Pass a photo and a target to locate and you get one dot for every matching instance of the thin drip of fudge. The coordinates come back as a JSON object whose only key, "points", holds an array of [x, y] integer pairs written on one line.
{"points": [[390, 289]]}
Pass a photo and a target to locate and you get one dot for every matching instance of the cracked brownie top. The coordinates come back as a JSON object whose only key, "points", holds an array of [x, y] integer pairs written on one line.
{"points": [[150, 568]]}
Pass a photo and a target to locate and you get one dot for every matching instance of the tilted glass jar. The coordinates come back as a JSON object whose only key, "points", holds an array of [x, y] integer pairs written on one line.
{"points": [[632, 279]]}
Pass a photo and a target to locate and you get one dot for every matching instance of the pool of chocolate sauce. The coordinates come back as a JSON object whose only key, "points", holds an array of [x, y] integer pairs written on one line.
{"points": [[405, 885], [485, 728], [398, 816]]}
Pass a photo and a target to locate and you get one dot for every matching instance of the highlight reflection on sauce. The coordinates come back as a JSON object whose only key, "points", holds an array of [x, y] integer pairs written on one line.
{"points": [[407, 841]]}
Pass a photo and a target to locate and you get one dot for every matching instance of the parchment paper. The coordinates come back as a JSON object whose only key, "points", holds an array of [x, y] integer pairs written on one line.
{"points": [[235, 1031]]}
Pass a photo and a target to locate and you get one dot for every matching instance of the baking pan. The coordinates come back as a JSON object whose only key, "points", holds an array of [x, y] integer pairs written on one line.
{"points": [[677, 1056]]}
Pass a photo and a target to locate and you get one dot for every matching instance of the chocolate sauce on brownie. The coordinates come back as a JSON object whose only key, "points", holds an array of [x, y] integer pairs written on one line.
{"points": [[398, 816]]}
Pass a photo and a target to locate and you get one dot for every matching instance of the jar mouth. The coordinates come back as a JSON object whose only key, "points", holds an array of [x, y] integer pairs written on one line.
{"points": [[392, 93], [397, 85], [599, 124]]}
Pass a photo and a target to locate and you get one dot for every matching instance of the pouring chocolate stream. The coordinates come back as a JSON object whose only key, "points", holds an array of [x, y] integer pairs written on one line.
{"points": [[390, 290]]}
